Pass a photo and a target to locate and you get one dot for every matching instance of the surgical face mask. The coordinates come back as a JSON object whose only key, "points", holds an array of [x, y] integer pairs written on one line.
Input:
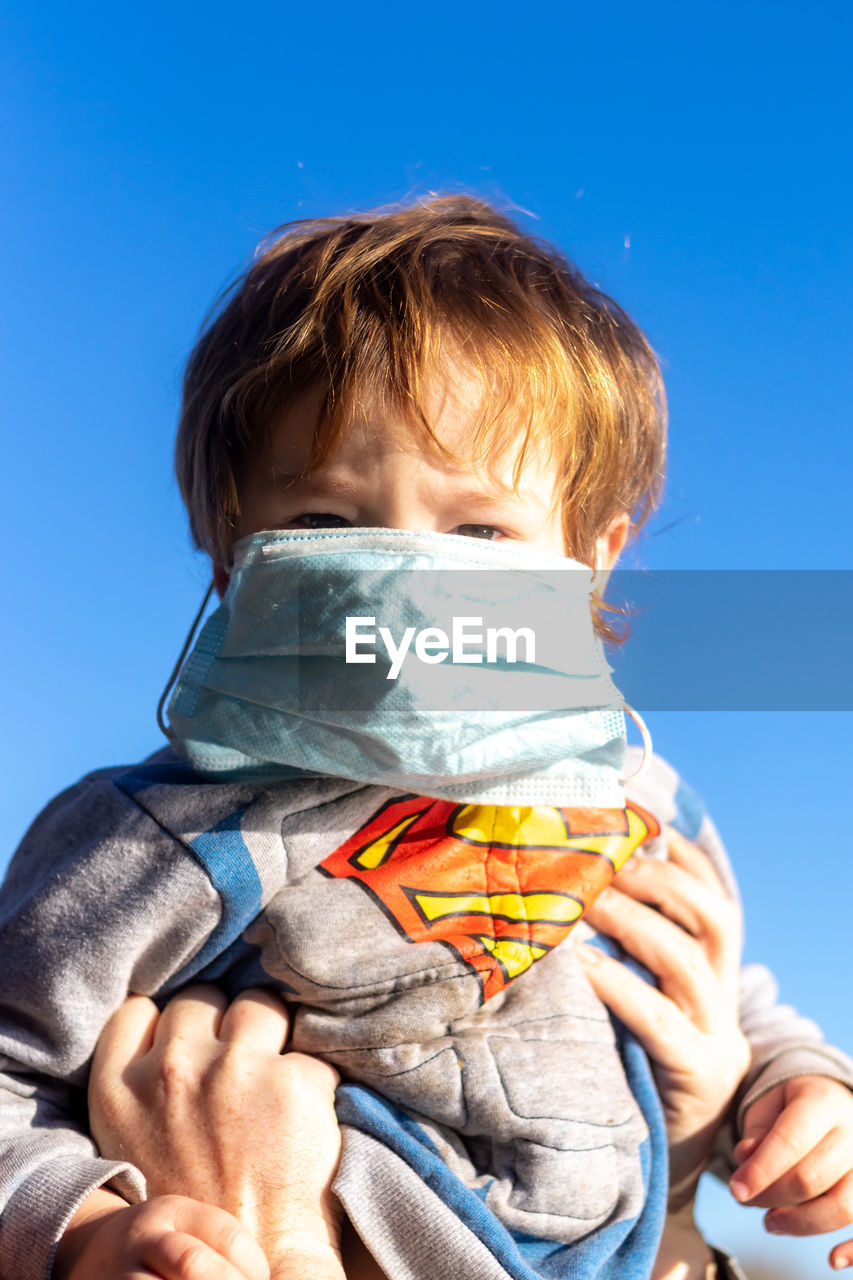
{"points": [[441, 665]]}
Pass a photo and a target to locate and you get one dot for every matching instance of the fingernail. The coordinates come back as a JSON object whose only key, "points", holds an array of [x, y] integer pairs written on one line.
{"points": [[630, 865], [739, 1190], [774, 1227], [839, 1263], [590, 954]]}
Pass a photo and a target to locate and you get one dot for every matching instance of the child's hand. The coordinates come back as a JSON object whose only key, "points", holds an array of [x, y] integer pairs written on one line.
{"points": [[170, 1238], [796, 1159]]}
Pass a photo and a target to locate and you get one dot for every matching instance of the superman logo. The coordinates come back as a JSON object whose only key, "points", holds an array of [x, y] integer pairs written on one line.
{"points": [[500, 884]]}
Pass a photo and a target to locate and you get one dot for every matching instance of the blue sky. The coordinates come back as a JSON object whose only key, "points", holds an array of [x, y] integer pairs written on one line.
{"points": [[694, 161]]}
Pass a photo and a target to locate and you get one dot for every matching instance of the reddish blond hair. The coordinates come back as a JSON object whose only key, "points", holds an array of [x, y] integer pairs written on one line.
{"points": [[366, 305]]}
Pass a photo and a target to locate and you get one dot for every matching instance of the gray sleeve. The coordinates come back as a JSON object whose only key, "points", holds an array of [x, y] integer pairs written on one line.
{"points": [[98, 901], [784, 1044]]}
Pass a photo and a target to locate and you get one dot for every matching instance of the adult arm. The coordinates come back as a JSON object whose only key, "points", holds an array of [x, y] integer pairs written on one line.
{"points": [[94, 904]]}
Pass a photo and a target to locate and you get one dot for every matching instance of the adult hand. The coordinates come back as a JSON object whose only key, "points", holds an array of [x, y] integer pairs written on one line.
{"points": [[796, 1159], [689, 1026], [203, 1101]]}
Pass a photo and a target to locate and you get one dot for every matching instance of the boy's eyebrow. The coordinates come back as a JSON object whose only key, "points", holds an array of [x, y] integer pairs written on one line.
{"points": [[345, 487], [342, 486]]}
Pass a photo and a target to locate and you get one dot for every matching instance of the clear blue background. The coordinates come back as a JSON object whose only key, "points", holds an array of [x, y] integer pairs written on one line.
{"points": [[693, 159]]}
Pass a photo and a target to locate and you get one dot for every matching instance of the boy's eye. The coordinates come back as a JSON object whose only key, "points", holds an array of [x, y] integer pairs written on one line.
{"points": [[487, 531], [320, 520]]}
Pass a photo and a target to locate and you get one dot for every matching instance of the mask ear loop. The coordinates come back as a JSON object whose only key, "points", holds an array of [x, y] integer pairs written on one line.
{"points": [[647, 743], [599, 575], [177, 667]]}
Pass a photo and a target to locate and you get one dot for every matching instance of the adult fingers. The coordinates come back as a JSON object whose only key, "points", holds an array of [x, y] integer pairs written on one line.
{"points": [[194, 1014], [684, 853], [307, 1074], [258, 1018], [660, 1026], [795, 1131], [676, 958], [128, 1035], [704, 912], [829, 1212]]}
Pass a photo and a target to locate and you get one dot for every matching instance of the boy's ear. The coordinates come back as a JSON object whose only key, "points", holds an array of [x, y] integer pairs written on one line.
{"points": [[221, 578], [614, 538]]}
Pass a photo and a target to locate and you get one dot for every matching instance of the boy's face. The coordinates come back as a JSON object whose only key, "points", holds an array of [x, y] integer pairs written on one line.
{"points": [[384, 473]]}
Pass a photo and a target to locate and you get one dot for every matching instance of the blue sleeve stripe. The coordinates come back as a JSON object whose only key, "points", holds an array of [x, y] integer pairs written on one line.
{"points": [[223, 853]]}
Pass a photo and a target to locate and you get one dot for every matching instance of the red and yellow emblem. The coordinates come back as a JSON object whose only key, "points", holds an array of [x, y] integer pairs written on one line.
{"points": [[501, 884]]}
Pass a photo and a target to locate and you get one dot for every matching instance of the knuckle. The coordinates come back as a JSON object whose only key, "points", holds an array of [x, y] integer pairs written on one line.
{"points": [[691, 961], [107, 1103], [660, 1024], [231, 1237], [171, 1204], [308, 1074], [301, 1066], [192, 1261], [149, 1211], [786, 1143], [806, 1182], [176, 1073], [722, 916], [720, 923], [159, 1212], [144, 1223]]}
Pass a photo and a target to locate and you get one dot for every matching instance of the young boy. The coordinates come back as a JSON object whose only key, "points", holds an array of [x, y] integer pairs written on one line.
{"points": [[392, 416]]}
